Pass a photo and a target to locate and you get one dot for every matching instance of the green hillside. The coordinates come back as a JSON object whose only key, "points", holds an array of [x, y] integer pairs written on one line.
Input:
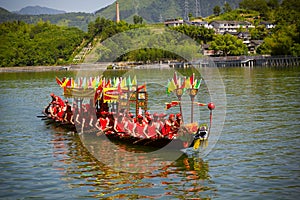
{"points": [[156, 10]]}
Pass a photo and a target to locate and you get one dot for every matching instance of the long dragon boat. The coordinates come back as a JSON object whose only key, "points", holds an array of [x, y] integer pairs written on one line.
{"points": [[118, 109]]}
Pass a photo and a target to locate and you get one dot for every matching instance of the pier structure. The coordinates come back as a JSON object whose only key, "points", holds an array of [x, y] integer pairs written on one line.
{"points": [[241, 61]]}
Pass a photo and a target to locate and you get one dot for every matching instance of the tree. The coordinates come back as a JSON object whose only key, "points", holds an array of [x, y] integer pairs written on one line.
{"points": [[217, 10], [257, 5], [273, 4], [227, 7], [137, 19], [228, 45]]}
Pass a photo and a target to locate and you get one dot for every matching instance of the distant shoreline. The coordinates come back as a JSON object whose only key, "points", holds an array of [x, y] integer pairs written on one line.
{"points": [[31, 69]]}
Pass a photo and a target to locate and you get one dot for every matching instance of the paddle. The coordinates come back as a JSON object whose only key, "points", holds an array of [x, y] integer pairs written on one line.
{"points": [[41, 116], [196, 144]]}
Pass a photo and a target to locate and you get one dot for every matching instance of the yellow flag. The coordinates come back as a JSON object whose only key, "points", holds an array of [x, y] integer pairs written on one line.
{"points": [[171, 86], [134, 82], [187, 83], [94, 83], [123, 83], [65, 83]]}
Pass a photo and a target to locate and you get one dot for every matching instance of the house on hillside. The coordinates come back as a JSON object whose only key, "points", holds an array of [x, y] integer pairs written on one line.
{"points": [[222, 27], [174, 22], [254, 44], [268, 25], [200, 23]]}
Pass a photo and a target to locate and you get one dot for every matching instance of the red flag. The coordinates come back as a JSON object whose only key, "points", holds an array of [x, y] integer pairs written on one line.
{"points": [[172, 104], [200, 104], [192, 79], [58, 81], [175, 79], [80, 82], [141, 87], [97, 93], [69, 83]]}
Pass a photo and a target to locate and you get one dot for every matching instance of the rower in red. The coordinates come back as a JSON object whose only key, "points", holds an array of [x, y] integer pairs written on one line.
{"points": [[170, 129], [150, 129], [138, 129], [103, 121], [129, 123]]}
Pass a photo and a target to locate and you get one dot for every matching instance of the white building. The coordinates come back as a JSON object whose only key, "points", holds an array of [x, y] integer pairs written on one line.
{"points": [[222, 27]]}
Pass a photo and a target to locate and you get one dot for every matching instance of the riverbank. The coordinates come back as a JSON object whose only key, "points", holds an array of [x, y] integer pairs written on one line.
{"points": [[31, 69]]}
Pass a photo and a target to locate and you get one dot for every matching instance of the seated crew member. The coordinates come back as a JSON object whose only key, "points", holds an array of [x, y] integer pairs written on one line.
{"points": [[102, 122], [178, 122], [111, 122], [60, 114], [150, 129], [119, 124], [157, 123], [129, 123], [138, 129], [147, 117], [170, 128], [54, 110]]}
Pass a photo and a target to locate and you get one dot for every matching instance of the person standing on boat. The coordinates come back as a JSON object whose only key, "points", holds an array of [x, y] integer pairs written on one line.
{"points": [[59, 101], [68, 112]]}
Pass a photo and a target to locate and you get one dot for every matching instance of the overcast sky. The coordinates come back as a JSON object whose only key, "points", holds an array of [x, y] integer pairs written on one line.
{"points": [[88, 6]]}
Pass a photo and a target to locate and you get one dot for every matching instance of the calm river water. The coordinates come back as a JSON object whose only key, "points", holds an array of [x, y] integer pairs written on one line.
{"points": [[256, 157]]}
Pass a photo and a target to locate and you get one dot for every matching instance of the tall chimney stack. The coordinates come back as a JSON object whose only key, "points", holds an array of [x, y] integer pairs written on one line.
{"points": [[117, 12]]}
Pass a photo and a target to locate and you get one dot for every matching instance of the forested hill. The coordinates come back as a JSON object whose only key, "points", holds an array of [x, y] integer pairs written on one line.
{"points": [[38, 10], [79, 20], [157, 10], [152, 11]]}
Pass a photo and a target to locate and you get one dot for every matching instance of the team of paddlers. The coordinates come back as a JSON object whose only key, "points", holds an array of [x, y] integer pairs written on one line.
{"points": [[124, 123]]}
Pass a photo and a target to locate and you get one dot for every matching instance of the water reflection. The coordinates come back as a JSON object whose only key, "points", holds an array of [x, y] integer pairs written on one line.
{"points": [[186, 177]]}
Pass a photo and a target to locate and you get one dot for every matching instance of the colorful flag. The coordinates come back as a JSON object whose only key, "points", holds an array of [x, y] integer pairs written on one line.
{"points": [[200, 104], [197, 86], [134, 82], [94, 83], [65, 83], [72, 83], [123, 82], [129, 83], [58, 81], [171, 86], [183, 83], [175, 78], [172, 104], [187, 84], [98, 92]]}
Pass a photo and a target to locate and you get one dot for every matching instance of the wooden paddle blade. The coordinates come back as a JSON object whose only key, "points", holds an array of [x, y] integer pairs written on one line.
{"points": [[196, 144]]}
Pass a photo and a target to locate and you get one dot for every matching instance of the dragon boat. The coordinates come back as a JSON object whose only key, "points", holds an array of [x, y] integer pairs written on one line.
{"points": [[117, 108]]}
